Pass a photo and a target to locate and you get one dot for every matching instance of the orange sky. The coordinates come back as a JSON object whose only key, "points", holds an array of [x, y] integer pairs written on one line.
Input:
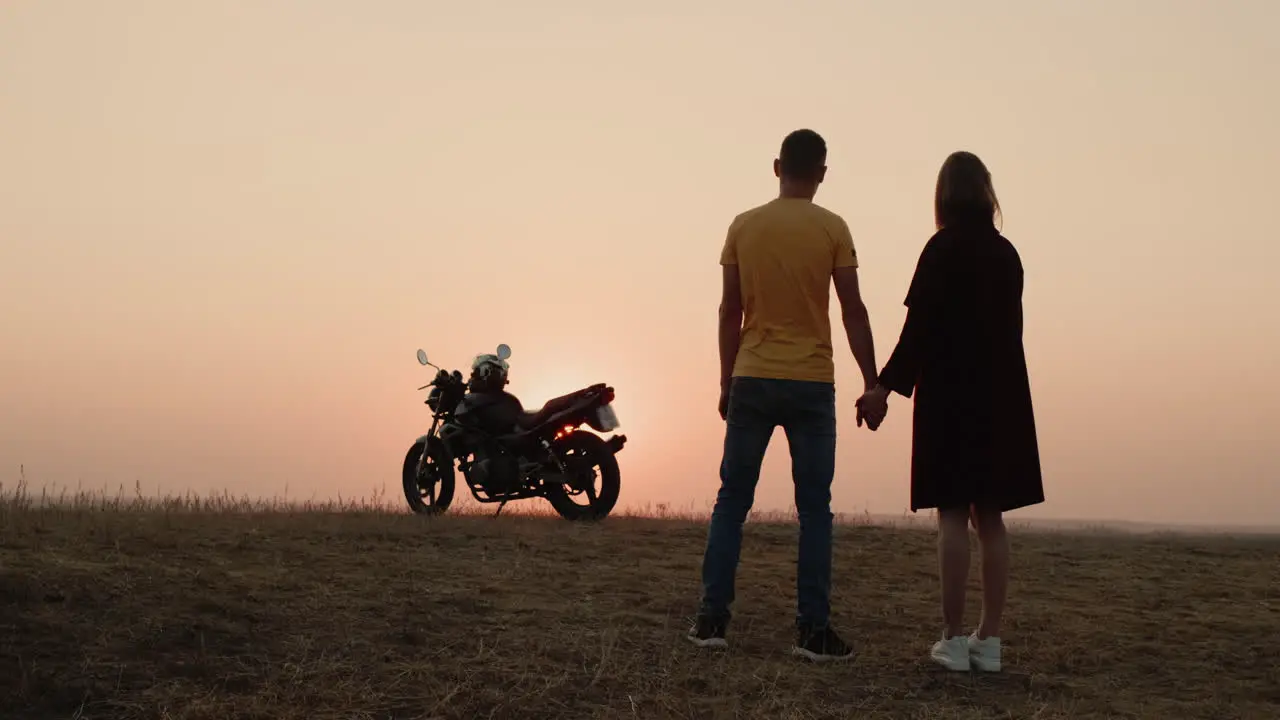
{"points": [[225, 227]]}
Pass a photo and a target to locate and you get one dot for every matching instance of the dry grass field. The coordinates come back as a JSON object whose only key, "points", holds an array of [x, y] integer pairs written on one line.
{"points": [[197, 608]]}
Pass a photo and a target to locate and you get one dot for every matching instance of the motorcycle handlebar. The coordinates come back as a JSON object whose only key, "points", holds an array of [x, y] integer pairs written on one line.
{"points": [[443, 376]]}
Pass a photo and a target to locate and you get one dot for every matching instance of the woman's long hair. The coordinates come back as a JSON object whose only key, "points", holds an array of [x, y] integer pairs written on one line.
{"points": [[964, 193]]}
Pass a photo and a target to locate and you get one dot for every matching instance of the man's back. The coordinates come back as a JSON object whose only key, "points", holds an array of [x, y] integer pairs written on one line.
{"points": [[780, 260], [785, 251]]}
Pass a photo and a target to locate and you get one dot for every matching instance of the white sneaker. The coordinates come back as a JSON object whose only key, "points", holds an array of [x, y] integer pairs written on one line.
{"points": [[984, 654], [951, 653]]}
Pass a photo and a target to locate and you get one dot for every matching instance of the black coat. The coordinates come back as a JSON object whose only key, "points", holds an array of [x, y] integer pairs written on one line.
{"points": [[960, 355]]}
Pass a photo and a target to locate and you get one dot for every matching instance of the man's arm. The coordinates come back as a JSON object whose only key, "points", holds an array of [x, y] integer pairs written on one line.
{"points": [[857, 323], [730, 322]]}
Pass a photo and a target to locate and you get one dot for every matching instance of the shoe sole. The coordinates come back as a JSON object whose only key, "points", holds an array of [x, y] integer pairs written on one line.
{"points": [[951, 664], [714, 643], [815, 657]]}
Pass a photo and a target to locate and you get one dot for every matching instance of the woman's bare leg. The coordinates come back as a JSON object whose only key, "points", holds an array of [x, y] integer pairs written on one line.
{"points": [[953, 566], [994, 542]]}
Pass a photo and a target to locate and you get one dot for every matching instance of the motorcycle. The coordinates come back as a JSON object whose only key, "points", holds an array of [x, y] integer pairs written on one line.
{"points": [[505, 453]]}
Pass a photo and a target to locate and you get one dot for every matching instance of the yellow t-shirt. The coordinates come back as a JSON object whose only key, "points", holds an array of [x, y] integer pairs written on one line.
{"points": [[785, 251]]}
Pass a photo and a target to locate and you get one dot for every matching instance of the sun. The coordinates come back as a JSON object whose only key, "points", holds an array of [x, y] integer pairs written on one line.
{"points": [[536, 383], [535, 390]]}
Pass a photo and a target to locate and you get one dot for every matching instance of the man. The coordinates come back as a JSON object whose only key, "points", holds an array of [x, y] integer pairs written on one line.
{"points": [[776, 368]]}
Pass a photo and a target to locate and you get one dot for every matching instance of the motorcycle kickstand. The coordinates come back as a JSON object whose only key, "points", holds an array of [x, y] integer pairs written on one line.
{"points": [[500, 506]]}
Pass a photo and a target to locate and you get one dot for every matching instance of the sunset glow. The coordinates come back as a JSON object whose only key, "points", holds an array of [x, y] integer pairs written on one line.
{"points": [[225, 228]]}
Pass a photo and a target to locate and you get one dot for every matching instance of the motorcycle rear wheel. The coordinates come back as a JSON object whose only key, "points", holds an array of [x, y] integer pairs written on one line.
{"points": [[587, 451], [433, 492]]}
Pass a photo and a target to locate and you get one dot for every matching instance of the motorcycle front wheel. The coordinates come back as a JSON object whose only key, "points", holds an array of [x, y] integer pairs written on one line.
{"points": [[431, 492], [587, 457]]}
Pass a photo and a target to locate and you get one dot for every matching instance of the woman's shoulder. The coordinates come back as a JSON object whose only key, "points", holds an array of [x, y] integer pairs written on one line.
{"points": [[1008, 250], [979, 240], [940, 243]]}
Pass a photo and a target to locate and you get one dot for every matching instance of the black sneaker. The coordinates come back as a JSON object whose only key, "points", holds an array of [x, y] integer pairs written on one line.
{"points": [[708, 632], [821, 645]]}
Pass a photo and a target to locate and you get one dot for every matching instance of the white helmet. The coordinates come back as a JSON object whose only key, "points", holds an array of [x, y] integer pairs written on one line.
{"points": [[488, 372]]}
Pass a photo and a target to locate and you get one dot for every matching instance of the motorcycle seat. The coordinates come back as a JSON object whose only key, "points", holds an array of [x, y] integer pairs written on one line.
{"points": [[555, 406]]}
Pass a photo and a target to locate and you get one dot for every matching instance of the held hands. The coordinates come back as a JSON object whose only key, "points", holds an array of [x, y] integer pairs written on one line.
{"points": [[872, 407]]}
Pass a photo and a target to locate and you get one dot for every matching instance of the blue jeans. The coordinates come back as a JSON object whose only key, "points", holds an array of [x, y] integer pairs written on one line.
{"points": [[807, 413]]}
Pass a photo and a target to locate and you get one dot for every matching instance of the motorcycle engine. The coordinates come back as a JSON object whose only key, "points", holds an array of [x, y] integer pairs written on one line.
{"points": [[495, 469]]}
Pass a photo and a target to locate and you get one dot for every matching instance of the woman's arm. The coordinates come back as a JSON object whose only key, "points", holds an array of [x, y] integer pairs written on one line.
{"points": [[900, 372], [923, 303], [1020, 287]]}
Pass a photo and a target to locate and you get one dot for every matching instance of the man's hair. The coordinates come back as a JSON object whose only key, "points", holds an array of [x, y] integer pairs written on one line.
{"points": [[803, 155]]}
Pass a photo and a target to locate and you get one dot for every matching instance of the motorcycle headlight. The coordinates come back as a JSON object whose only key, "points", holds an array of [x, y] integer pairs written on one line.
{"points": [[433, 398]]}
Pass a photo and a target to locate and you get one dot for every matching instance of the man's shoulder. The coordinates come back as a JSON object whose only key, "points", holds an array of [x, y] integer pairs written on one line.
{"points": [[833, 223], [773, 208], [750, 213], [827, 214]]}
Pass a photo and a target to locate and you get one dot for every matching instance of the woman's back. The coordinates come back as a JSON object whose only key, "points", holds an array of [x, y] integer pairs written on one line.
{"points": [[970, 286], [974, 451]]}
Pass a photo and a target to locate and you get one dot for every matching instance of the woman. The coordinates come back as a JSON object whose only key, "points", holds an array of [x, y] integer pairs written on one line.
{"points": [[974, 452]]}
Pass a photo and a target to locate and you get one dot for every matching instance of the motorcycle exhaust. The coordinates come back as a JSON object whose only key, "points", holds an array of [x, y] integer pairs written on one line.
{"points": [[615, 443]]}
